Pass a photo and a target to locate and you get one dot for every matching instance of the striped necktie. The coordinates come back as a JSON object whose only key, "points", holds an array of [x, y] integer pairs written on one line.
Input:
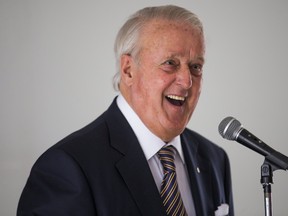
{"points": [[170, 193]]}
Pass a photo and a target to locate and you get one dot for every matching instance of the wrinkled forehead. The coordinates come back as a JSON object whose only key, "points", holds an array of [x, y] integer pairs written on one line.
{"points": [[162, 25], [158, 33]]}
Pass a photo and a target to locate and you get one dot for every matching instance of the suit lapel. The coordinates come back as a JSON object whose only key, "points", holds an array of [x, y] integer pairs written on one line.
{"points": [[200, 176], [133, 166]]}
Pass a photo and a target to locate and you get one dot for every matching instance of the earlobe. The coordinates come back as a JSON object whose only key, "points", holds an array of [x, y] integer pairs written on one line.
{"points": [[126, 69]]}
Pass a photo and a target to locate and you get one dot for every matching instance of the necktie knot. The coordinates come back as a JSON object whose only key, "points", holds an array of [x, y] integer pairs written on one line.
{"points": [[166, 156]]}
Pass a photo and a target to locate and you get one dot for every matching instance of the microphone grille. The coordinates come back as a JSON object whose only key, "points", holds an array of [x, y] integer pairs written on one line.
{"points": [[229, 127]]}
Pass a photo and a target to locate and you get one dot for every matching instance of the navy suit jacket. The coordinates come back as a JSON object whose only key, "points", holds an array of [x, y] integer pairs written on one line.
{"points": [[101, 170]]}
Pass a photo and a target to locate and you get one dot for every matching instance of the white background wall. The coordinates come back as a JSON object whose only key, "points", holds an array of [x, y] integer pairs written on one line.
{"points": [[57, 62]]}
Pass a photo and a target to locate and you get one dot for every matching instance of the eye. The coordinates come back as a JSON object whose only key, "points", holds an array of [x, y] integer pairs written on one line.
{"points": [[170, 62], [196, 69], [170, 65]]}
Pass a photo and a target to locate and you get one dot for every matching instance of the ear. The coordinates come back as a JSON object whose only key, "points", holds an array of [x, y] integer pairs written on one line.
{"points": [[126, 63]]}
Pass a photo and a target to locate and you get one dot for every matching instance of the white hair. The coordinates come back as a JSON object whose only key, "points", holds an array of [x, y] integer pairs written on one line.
{"points": [[128, 35]]}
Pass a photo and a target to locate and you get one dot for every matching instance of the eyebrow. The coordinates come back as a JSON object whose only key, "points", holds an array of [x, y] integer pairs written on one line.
{"points": [[198, 58], [201, 58], [173, 55]]}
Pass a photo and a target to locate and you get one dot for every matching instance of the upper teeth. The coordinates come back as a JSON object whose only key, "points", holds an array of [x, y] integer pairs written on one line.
{"points": [[174, 97]]}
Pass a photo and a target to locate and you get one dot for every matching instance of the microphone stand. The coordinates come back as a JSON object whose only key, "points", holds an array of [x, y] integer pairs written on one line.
{"points": [[266, 181], [274, 161], [267, 170]]}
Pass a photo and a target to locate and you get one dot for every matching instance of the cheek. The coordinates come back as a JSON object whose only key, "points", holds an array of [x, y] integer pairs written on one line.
{"points": [[197, 84], [195, 91], [153, 85], [141, 89]]}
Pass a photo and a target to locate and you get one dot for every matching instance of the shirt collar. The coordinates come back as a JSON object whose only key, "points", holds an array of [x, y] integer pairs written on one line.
{"points": [[149, 142]]}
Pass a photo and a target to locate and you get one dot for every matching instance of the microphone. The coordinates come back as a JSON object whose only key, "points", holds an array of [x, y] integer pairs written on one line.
{"points": [[231, 129]]}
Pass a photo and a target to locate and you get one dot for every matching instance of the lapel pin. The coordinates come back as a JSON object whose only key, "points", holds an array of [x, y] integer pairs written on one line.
{"points": [[198, 170]]}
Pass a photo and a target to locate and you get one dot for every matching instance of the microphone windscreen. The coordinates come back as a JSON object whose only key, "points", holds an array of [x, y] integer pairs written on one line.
{"points": [[229, 128]]}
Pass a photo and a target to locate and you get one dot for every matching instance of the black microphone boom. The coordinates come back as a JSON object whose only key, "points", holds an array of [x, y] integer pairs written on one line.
{"points": [[231, 129]]}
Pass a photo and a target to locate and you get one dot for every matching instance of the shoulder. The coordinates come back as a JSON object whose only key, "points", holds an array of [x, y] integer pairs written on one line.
{"points": [[83, 138], [204, 147], [92, 137], [92, 143]]}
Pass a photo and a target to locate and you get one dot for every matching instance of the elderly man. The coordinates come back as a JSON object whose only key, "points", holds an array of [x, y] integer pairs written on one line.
{"points": [[138, 157]]}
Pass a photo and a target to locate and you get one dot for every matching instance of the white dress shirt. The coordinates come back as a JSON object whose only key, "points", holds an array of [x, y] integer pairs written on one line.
{"points": [[151, 144]]}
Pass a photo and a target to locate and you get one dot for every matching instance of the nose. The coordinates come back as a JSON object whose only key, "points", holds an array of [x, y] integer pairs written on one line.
{"points": [[184, 78]]}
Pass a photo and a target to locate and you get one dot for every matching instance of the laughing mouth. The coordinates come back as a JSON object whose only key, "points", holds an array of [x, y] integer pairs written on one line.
{"points": [[176, 100]]}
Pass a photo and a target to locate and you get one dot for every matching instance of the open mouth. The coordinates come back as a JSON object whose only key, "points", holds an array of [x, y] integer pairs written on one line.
{"points": [[176, 100]]}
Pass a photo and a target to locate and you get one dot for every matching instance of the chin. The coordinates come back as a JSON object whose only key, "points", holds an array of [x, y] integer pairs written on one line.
{"points": [[175, 132]]}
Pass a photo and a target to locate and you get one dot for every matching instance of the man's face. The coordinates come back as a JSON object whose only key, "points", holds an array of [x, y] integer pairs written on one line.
{"points": [[163, 84]]}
